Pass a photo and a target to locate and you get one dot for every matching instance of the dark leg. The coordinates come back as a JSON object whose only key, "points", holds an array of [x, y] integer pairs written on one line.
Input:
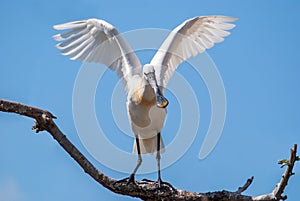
{"points": [[159, 181], [139, 161], [131, 178]]}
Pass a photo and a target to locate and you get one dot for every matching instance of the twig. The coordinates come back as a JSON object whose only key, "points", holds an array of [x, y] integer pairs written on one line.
{"points": [[279, 189], [145, 190], [245, 186], [277, 193]]}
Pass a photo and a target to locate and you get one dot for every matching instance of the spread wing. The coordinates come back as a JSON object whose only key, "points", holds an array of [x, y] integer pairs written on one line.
{"points": [[95, 40], [190, 38]]}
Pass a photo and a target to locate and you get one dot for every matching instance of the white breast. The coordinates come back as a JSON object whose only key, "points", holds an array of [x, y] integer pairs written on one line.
{"points": [[157, 119], [148, 135]]}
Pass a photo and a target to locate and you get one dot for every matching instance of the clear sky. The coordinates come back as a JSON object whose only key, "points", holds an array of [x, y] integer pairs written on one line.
{"points": [[258, 63]]}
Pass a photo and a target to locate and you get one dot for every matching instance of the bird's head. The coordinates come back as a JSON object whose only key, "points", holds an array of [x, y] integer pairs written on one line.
{"points": [[149, 74], [148, 68]]}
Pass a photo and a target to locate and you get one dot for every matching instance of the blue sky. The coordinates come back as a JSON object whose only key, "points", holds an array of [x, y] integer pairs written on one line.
{"points": [[258, 64]]}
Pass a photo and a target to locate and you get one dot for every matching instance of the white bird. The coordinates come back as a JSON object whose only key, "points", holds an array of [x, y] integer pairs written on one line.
{"points": [[95, 40]]}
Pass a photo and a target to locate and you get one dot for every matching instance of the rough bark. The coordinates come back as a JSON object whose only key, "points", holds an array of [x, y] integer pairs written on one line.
{"points": [[145, 190]]}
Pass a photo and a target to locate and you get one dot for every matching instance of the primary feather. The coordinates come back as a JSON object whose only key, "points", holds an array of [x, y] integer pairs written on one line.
{"points": [[189, 39], [97, 41]]}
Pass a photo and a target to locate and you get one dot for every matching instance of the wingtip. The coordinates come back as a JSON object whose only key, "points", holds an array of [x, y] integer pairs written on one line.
{"points": [[58, 46], [57, 37], [234, 19], [57, 27], [63, 26], [219, 18], [229, 18]]}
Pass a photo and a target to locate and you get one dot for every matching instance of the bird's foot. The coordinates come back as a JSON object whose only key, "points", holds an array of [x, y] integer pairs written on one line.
{"points": [[159, 182], [162, 184], [129, 180], [147, 180]]}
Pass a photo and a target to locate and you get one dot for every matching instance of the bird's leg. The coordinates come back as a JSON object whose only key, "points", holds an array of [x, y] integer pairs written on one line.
{"points": [[158, 157], [131, 178], [139, 162], [159, 181]]}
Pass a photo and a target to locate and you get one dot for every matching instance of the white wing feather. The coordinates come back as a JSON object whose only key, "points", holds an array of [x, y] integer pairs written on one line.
{"points": [[95, 40], [190, 38]]}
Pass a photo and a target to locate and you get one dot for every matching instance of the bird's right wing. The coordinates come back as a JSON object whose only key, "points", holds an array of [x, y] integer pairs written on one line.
{"points": [[190, 38], [95, 40]]}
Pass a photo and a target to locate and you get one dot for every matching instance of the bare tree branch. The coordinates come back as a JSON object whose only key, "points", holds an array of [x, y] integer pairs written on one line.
{"points": [[278, 191], [246, 185], [145, 190]]}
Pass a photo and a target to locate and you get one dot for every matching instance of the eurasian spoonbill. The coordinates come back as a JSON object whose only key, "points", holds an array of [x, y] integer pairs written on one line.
{"points": [[95, 40]]}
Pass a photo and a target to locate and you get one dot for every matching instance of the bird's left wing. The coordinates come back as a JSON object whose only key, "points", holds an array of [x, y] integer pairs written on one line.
{"points": [[95, 40], [190, 38]]}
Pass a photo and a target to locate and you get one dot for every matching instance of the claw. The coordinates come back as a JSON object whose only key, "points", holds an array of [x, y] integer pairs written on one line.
{"points": [[129, 180], [160, 182], [147, 180]]}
